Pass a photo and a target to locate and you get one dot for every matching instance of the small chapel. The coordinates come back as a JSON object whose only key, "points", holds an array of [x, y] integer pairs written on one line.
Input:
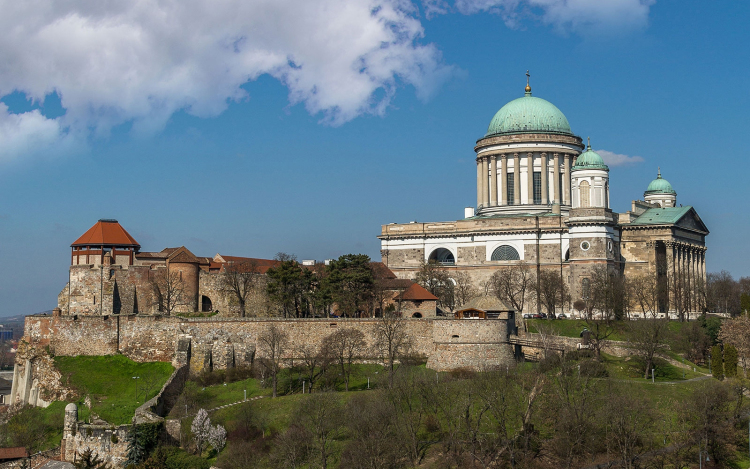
{"points": [[543, 200]]}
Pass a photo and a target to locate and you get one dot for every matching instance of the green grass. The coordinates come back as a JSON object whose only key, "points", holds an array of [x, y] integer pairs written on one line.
{"points": [[108, 381], [633, 367], [573, 327]]}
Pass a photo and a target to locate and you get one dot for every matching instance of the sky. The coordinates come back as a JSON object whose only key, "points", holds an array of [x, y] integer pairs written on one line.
{"points": [[299, 126]]}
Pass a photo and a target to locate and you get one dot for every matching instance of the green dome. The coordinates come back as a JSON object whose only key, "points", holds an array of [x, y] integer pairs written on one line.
{"points": [[589, 159], [528, 115], [660, 186]]}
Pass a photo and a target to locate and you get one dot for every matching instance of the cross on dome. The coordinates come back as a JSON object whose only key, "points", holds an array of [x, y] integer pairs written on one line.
{"points": [[528, 87]]}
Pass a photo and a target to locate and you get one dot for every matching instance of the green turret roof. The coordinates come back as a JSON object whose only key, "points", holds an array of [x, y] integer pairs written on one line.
{"points": [[589, 159], [528, 115], [660, 186]]}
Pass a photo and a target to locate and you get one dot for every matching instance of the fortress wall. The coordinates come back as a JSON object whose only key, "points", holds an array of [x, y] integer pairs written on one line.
{"points": [[154, 338]]}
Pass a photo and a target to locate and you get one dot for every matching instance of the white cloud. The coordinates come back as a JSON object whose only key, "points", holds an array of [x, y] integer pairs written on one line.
{"points": [[30, 133], [584, 17], [616, 159], [116, 62]]}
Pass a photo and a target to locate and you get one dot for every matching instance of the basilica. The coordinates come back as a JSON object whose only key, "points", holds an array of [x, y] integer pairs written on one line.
{"points": [[543, 200]]}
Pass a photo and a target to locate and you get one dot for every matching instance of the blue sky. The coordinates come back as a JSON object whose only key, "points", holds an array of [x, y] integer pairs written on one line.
{"points": [[303, 126]]}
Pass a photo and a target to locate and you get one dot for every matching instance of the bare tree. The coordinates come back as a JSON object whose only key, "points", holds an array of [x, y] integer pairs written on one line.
{"points": [[510, 284], [552, 291], [315, 362], [643, 291], [273, 342], [723, 293], [392, 340], [344, 346], [320, 414], [435, 279], [648, 335], [238, 280], [630, 424], [170, 289], [374, 442], [464, 289]]}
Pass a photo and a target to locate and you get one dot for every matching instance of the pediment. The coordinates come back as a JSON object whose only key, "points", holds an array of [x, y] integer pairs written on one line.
{"points": [[692, 221]]}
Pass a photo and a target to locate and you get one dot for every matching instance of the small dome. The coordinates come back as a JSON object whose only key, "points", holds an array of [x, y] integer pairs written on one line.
{"points": [[660, 186], [528, 115], [589, 159]]}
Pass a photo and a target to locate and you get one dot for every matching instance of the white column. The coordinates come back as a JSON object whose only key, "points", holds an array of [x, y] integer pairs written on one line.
{"points": [[545, 179], [504, 179], [556, 180], [516, 179], [566, 180], [493, 180]]}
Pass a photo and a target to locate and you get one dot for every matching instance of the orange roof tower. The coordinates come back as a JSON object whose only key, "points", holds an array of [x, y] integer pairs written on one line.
{"points": [[106, 233]]}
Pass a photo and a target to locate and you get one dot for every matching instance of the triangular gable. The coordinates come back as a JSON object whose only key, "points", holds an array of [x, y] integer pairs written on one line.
{"points": [[692, 221], [183, 256]]}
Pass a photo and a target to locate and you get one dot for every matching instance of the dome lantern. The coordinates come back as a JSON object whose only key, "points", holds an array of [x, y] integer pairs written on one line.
{"points": [[660, 192]]}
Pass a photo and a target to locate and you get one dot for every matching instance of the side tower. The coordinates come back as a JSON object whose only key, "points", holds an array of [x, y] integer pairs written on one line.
{"points": [[524, 160], [594, 239], [105, 237]]}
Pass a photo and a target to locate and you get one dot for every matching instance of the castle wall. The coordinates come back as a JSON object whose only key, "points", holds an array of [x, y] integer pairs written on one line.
{"points": [[257, 304], [219, 343]]}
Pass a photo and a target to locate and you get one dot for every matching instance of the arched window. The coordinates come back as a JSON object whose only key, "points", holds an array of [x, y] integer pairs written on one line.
{"points": [[567, 254], [585, 193], [443, 256], [505, 253]]}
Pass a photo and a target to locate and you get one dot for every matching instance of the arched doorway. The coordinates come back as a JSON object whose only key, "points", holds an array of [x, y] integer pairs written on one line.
{"points": [[206, 305]]}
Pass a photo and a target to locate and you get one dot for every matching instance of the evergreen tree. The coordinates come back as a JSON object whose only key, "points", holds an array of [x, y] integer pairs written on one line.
{"points": [[717, 365], [136, 452], [730, 361]]}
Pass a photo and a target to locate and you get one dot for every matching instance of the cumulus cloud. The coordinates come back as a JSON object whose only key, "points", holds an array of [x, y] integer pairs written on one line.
{"points": [[585, 17], [140, 62], [616, 159]]}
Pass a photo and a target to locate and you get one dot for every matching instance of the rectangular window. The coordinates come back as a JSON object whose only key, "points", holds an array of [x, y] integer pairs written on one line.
{"points": [[562, 189], [537, 188], [509, 185]]}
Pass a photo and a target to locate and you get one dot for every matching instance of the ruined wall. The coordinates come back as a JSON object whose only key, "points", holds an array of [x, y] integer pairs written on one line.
{"points": [[219, 343]]}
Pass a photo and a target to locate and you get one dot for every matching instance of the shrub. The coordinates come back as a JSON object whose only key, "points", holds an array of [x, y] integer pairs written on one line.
{"points": [[717, 365], [730, 361], [593, 368]]}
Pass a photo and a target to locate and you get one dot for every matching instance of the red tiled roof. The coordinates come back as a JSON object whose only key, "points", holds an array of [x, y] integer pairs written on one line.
{"points": [[417, 293], [106, 233], [13, 453]]}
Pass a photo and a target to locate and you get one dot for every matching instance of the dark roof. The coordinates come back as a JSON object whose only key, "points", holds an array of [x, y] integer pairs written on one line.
{"points": [[13, 453], [416, 292], [250, 263], [394, 283], [381, 271], [106, 233], [485, 303]]}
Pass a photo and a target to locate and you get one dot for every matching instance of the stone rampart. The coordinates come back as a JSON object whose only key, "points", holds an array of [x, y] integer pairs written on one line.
{"points": [[204, 344]]}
